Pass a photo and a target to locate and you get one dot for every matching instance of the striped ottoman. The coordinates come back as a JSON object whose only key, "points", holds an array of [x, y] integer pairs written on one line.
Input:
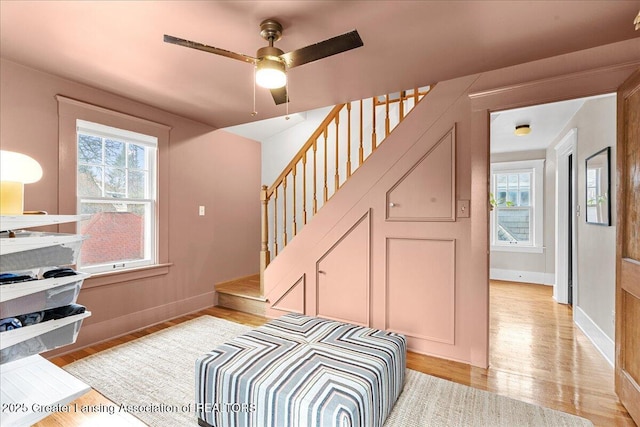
{"points": [[301, 371]]}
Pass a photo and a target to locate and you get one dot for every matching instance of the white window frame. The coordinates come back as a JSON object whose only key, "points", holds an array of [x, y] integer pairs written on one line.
{"points": [[536, 167], [150, 200]]}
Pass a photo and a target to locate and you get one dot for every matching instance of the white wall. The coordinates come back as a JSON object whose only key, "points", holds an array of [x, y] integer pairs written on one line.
{"points": [[596, 245], [280, 148]]}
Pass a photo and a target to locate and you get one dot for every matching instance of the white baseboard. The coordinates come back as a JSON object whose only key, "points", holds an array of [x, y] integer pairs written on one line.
{"points": [[600, 340], [523, 276]]}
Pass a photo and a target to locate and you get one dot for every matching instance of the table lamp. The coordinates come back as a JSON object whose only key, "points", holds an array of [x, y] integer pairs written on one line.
{"points": [[16, 170]]}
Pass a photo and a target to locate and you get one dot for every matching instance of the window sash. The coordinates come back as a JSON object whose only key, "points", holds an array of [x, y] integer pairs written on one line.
{"points": [[148, 188], [535, 169], [514, 241], [149, 227], [149, 170]]}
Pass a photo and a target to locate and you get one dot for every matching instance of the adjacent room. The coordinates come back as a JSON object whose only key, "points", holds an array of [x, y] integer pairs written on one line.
{"points": [[319, 213]]}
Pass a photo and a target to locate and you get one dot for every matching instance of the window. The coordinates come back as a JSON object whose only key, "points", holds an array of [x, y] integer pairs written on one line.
{"points": [[116, 184], [517, 200]]}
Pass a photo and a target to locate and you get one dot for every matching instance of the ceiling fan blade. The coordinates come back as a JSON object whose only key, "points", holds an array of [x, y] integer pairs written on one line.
{"points": [[280, 95], [332, 46], [210, 49]]}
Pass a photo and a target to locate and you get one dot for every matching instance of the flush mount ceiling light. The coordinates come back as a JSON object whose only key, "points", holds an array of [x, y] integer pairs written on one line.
{"points": [[522, 130], [636, 22]]}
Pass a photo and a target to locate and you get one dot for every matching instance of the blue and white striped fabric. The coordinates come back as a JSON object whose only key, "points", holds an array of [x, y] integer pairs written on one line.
{"points": [[300, 371]]}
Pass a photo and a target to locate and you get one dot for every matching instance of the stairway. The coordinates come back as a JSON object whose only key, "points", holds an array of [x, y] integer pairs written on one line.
{"points": [[242, 294], [345, 139]]}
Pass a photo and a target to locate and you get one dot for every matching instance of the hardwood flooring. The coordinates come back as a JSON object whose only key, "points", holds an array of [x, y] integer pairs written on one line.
{"points": [[537, 356]]}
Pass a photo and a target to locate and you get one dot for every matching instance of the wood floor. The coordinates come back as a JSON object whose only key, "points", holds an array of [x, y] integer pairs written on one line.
{"points": [[537, 356]]}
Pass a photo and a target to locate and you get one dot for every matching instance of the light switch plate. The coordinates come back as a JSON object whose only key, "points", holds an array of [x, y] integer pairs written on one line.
{"points": [[463, 209], [201, 211]]}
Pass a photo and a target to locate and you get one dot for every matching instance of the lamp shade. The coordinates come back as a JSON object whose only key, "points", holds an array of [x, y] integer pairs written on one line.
{"points": [[16, 170], [17, 167], [271, 74]]}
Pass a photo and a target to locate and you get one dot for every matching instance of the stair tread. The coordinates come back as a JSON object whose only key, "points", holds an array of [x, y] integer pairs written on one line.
{"points": [[248, 287]]}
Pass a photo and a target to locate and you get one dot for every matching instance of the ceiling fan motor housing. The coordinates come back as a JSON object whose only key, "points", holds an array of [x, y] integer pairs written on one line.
{"points": [[269, 52], [271, 30]]}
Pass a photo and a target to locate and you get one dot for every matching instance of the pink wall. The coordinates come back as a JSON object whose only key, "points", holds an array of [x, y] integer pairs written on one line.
{"points": [[206, 167], [418, 280], [448, 306]]}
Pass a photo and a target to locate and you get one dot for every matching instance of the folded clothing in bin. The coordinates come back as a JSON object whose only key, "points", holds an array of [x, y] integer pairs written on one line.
{"points": [[62, 312], [31, 318], [41, 316], [59, 272], [9, 324], [8, 278]]}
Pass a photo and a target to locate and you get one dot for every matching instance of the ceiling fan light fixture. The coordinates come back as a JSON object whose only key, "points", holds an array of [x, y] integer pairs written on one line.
{"points": [[271, 74], [522, 130]]}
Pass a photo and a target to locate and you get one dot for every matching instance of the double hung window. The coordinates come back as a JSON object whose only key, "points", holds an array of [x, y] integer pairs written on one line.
{"points": [[517, 201], [116, 183]]}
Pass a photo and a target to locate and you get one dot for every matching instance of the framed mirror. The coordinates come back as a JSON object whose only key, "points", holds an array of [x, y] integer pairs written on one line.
{"points": [[598, 188]]}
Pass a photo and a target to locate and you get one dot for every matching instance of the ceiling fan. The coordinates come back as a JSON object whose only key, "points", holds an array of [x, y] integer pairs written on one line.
{"points": [[272, 63]]}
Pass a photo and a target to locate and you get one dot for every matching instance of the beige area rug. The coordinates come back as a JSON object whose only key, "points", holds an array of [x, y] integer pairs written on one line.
{"points": [[153, 378]]}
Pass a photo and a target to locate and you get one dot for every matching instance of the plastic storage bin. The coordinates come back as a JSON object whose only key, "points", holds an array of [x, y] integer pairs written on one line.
{"points": [[37, 249], [45, 336], [39, 295], [18, 222]]}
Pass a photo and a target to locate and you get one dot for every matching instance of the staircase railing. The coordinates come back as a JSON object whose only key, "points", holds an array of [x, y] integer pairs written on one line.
{"points": [[334, 151]]}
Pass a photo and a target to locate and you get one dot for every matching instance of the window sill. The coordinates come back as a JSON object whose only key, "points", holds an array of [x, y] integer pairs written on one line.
{"points": [[515, 248], [111, 277]]}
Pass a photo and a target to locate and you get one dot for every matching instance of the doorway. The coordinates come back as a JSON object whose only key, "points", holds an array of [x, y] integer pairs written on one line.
{"points": [[572, 255], [565, 284]]}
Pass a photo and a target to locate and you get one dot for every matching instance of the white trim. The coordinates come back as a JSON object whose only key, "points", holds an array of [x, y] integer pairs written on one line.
{"points": [[537, 277], [516, 248], [105, 131], [516, 166], [564, 149], [600, 340]]}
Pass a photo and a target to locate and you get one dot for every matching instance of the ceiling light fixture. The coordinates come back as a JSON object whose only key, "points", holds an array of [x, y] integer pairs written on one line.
{"points": [[271, 73], [522, 130], [636, 22]]}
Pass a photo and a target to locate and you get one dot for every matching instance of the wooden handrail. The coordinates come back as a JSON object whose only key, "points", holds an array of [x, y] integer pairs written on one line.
{"points": [[303, 150], [269, 195]]}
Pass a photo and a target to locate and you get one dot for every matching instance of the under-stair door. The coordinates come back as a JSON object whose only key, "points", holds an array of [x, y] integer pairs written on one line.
{"points": [[343, 291]]}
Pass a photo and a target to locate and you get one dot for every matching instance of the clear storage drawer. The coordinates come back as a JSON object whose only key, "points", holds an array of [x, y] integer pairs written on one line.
{"points": [[37, 249], [29, 340], [39, 295]]}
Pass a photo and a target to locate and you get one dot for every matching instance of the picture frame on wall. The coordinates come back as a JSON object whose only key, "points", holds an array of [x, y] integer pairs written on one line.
{"points": [[598, 188]]}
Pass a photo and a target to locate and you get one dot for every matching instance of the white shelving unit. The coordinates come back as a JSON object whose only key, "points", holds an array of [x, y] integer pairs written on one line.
{"points": [[32, 387]]}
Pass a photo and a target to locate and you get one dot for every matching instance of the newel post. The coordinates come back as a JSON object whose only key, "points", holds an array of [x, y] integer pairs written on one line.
{"points": [[265, 256]]}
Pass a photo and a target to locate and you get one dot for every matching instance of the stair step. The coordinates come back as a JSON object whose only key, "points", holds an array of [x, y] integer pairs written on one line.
{"points": [[242, 294]]}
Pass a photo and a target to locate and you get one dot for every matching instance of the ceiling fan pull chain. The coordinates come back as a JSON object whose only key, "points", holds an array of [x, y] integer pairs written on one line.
{"points": [[287, 101], [254, 112]]}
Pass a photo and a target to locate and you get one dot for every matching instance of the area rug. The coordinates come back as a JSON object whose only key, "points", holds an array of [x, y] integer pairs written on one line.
{"points": [[153, 378]]}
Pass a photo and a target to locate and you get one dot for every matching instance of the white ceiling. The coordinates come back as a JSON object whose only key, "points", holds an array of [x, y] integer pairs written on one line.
{"points": [[118, 46], [546, 121]]}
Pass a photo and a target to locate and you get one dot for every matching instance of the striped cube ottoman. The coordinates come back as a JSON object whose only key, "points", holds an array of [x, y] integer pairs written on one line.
{"points": [[301, 371]]}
